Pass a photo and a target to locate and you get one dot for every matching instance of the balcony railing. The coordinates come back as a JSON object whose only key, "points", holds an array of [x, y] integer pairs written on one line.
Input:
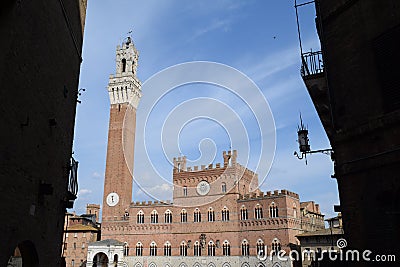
{"points": [[72, 183], [312, 63]]}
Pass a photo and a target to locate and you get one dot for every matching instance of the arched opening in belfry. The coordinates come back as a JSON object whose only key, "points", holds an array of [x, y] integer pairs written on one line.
{"points": [[100, 260], [24, 255], [123, 65]]}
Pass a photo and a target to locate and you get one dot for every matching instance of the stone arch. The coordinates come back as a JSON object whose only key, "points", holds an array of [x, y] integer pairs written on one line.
{"points": [[226, 264], [211, 264], [245, 264], [100, 259], [196, 264], [182, 264], [152, 264], [115, 261], [26, 253], [138, 264]]}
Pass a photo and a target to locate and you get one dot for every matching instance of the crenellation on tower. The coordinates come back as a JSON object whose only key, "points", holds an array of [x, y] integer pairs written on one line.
{"points": [[179, 164], [230, 158], [93, 209]]}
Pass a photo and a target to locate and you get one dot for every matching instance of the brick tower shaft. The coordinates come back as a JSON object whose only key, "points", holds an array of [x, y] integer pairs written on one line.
{"points": [[125, 91]]}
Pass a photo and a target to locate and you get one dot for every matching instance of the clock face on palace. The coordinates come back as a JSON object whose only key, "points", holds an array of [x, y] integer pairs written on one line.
{"points": [[112, 199], [203, 188]]}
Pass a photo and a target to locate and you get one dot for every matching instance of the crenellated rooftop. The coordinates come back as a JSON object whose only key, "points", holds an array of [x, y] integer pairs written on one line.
{"points": [[268, 194], [229, 157]]}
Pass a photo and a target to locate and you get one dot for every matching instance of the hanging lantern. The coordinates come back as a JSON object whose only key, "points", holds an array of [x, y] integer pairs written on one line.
{"points": [[303, 140]]}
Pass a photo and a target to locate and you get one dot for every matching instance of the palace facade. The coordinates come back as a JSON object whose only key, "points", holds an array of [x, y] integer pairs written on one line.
{"points": [[217, 217]]}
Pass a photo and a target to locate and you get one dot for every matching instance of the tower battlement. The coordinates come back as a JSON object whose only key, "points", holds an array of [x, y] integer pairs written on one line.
{"points": [[269, 194], [230, 160], [124, 86]]}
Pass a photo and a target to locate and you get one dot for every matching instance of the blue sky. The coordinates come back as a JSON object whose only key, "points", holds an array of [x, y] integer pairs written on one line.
{"points": [[258, 38]]}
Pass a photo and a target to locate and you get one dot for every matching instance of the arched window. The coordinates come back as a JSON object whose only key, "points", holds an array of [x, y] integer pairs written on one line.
{"points": [[294, 210], [226, 248], [153, 249], [261, 248], [115, 260], [211, 248], [223, 187], [154, 217], [197, 249], [276, 246], [168, 216], [273, 210], [258, 212], [197, 216], [211, 215], [167, 249], [225, 214], [126, 249], [139, 249], [183, 249], [123, 64], [183, 215], [140, 217], [185, 191], [243, 213], [245, 248]]}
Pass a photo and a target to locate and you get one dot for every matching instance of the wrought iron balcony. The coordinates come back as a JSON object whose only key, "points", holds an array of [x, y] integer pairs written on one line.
{"points": [[312, 63], [72, 183]]}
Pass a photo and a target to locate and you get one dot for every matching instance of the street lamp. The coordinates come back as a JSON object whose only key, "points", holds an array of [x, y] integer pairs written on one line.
{"points": [[304, 145]]}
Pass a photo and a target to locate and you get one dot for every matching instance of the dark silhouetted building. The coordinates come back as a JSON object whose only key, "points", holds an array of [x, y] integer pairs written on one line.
{"points": [[354, 83], [40, 58]]}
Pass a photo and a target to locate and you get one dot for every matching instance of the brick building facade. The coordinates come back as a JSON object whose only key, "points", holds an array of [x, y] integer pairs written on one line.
{"points": [[79, 231], [216, 211]]}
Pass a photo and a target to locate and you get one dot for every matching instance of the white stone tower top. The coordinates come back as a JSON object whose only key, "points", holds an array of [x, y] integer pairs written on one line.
{"points": [[124, 86]]}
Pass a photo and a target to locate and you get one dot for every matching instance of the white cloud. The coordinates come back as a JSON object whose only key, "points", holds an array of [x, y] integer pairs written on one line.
{"points": [[84, 191], [159, 191], [97, 175], [215, 25]]}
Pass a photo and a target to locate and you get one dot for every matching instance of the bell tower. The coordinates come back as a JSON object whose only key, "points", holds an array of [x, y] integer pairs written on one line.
{"points": [[124, 90]]}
